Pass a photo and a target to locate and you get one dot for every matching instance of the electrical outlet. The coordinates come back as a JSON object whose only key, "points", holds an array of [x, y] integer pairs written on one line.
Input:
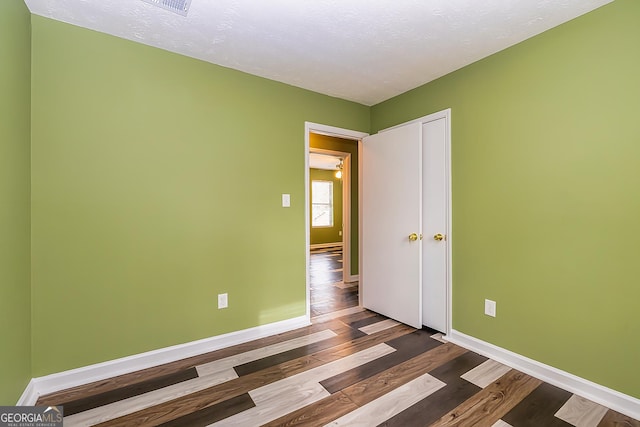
{"points": [[490, 308], [223, 301]]}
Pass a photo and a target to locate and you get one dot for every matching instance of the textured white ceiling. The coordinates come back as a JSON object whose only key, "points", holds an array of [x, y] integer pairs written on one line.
{"points": [[361, 50], [323, 161]]}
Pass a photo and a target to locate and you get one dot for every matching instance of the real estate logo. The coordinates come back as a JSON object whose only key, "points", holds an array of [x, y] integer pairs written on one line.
{"points": [[31, 416]]}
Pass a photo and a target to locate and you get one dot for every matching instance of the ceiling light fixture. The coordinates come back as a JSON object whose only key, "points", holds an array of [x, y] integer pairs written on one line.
{"points": [[181, 7], [339, 171]]}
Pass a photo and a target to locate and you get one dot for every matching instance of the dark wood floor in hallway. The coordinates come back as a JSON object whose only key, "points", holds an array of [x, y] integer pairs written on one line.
{"points": [[351, 367], [328, 292]]}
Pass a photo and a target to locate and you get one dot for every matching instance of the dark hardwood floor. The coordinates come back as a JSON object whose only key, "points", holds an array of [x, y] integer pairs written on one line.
{"points": [[328, 292], [351, 367]]}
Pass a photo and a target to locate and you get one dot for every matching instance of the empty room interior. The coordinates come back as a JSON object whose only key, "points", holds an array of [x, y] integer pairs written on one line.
{"points": [[171, 256]]}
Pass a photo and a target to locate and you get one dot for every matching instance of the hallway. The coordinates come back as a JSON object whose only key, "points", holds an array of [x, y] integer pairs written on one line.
{"points": [[328, 292]]}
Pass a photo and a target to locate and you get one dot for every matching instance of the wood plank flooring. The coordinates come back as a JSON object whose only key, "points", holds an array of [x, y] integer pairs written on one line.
{"points": [[328, 292], [351, 367]]}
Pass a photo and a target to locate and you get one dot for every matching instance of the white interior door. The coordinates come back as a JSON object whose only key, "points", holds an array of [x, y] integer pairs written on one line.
{"points": [[391, 200], [434, 223]]}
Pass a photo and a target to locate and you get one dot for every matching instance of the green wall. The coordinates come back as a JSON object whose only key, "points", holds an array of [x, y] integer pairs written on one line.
{"points": [[545, 164], [347, 146], [142, 209], [156, 185], [320, 235], [15, 292]]}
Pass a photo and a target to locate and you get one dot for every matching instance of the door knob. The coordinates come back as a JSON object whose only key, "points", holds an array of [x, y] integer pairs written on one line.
{"points": [[413, 237], [438, 237]]}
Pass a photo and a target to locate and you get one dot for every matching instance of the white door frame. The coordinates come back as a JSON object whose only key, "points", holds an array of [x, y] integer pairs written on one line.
{"points": [[310, 127], [444, 114], [346, 208]]}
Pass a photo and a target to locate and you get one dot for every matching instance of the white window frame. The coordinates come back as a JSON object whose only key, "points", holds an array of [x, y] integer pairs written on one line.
{"points": [[330, 204]]}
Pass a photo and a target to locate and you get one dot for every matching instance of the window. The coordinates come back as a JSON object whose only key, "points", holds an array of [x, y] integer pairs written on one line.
{"points": [[321, 203]]}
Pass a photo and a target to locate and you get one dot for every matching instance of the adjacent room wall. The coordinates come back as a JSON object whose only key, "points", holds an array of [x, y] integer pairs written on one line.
{"points": [[319, 235], [545, 163], [15, 135], [348, 146], [157, 183]]}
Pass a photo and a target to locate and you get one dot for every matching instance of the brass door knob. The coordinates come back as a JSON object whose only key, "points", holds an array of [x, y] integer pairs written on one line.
{"points": [[413, 237], [438, 237]]}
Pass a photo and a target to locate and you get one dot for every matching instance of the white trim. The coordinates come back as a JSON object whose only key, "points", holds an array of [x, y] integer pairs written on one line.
{"points": [[88, 374], [334, 131], [29, 396], [449, 223], [310, 127], [353, 278], [326, 245], [424, 119], [346, 218], [307, 223], [605, 396], [346, 206], [330, 204], [360, 282]]}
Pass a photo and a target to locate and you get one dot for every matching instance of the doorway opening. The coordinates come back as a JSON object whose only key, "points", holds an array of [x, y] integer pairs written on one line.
{"points": [[332, 229], [331, 284]]}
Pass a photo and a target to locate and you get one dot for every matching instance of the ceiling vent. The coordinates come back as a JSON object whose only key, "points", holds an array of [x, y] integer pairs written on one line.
{"points": [[181, 7]]}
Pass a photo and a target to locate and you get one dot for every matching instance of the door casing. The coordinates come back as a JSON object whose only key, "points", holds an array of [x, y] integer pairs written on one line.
{"points": [[321, 129], [346, 209], [311, 127]]}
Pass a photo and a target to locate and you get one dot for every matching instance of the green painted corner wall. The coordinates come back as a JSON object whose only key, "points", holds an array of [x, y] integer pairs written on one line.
{"points": [[156, 185], [137, 208], [15, 288], [350, 146], [545, 155], [319, 235]]}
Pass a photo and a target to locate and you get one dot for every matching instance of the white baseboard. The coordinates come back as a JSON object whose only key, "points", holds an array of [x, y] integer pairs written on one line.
{"points": [[325, 245], [353, 278], [88, 374], [610, 398], [29, 396]]}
